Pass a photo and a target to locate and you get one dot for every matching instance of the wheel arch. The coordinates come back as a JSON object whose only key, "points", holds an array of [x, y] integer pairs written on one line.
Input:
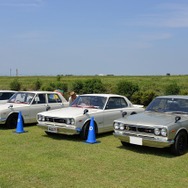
{"points": [[11, 116], [87, 123], [181, 130]]}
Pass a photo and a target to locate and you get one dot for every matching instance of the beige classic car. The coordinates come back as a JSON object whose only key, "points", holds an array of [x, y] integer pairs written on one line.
{"points": [[164, 123], [29, 103], [105, 108]]}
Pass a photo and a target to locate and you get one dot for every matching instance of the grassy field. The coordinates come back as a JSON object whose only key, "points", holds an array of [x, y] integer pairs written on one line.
{"points": [[33, 159]]}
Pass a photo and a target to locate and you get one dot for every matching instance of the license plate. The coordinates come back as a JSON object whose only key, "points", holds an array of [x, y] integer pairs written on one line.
{"points": [[135, 140], [52, 129]]}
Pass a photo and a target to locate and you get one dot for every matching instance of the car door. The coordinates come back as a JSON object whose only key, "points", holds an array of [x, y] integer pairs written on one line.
{"points": [[54, 101], [113, 110], [38, 104]]}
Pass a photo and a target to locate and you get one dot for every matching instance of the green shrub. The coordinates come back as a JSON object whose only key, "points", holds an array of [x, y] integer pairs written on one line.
{"points": [[77, 86], [15, 85], [147, 97], [172, 89], [127, 88], [94, 85], [37, 85]]}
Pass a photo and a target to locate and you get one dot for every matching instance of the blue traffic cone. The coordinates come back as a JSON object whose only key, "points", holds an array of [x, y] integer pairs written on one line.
{"points": [[19, 128], [91, 138]]}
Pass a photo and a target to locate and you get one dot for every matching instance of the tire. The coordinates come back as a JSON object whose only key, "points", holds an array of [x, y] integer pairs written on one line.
{"points": [[11, 122], [85, 129], [84, 132], [180, 145]]}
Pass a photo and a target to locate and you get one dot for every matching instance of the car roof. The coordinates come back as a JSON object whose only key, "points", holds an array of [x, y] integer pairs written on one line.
{"points": [[7, 91], [174, 96], [37, 92], [102, 95]]}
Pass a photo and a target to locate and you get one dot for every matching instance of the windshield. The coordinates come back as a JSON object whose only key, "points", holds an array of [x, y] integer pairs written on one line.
{"points": [[168, 105], [89, 102], [24, 98]]}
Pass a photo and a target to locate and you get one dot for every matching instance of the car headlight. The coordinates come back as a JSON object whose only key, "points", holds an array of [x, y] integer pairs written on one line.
{"points": [[160, 131], [163, 132], [70, 121], [121, 126], [116, 125], [157, 131], [41, 118]]}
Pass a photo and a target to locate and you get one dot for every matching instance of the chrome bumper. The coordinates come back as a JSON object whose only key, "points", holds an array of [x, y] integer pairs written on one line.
{"points": [[143, 140], [59, 130]]}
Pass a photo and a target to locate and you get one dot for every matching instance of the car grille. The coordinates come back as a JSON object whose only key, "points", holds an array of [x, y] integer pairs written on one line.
{"points": [[56, 120], [139, 129]]}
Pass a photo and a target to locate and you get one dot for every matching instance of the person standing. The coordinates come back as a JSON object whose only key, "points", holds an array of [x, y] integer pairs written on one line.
{"points": [[72, 97]]}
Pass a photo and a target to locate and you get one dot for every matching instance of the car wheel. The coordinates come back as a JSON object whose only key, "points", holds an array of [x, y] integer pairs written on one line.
{"points": [[180, 145], [84, 132], [12, 121], [85, 129]]}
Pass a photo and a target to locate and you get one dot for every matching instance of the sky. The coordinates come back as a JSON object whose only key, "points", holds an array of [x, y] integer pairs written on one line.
{"points": [[89, 37]]}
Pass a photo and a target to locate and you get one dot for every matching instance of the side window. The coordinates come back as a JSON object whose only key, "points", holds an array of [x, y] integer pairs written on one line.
{"points": [[54, 98], [123, 103], [116, 102], [40, 99]]}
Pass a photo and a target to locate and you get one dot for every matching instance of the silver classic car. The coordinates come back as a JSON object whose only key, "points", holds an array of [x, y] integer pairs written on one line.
{"points": [[105, 108], [29, 103], [164, 123]]}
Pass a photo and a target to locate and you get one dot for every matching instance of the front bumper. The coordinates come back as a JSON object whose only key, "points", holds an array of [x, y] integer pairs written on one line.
{"points": [[2, 121], [68, 130], [144, 140]]}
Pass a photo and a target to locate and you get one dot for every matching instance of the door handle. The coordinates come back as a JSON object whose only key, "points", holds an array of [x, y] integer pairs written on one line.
{"points": [[47, 108]]}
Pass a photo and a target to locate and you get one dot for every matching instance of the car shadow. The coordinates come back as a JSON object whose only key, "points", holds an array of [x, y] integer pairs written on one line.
{"points": [[162, 152], [75, 138]]}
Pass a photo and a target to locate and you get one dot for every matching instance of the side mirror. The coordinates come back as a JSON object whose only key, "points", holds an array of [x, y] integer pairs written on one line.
{"points": [[177, 118], [86, 111], [124, 114]]}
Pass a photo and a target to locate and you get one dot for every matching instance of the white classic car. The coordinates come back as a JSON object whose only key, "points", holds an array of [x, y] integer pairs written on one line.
{"points": [[5, 95], [105, 108], [29, 103]]}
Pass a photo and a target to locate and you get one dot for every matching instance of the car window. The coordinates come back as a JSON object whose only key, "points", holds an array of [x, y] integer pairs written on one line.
{"points": [[168, 105], [89, 101], [40, 99], [21, 98], [5, 96], [54, 98], [116, 102]]}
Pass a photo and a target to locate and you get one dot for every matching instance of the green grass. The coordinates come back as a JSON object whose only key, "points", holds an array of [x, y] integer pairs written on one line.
{"points": [[34, 159]]}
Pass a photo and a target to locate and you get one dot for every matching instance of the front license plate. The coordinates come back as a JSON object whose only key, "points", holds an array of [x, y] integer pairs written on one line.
{"points": [[52, 129], [135, 140]]}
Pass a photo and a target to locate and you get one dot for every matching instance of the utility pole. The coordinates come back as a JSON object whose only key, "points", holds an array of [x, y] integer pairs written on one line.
{"points": [[16, 72]]}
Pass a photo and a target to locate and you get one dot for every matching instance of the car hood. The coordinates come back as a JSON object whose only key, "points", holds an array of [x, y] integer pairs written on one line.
{"points": [[69, 112], [150, 118]]}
